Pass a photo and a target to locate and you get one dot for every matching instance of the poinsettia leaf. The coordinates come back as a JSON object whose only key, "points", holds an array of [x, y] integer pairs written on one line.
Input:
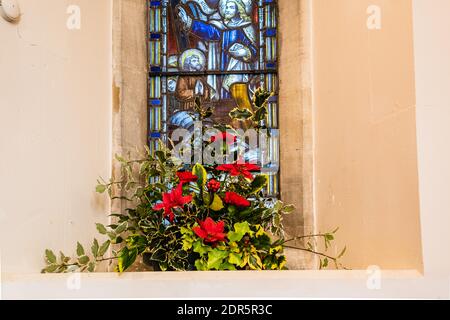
{"points": [[240, 114], [217, 203], [201, 173]]}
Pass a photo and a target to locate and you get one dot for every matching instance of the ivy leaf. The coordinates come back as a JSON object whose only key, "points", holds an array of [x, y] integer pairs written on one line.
{"points": [[227, 266], [104, 248], [215, 259], [240, 114], [200, 248], [200, 265], [201, 173], [50, 256], [235, 259], [101, 228], [217, 203], [94, 248], [80, 249], [240, 230]]}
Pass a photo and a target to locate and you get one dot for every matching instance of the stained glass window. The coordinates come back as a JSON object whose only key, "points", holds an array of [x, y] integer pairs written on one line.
{"points": [[219, 50]]}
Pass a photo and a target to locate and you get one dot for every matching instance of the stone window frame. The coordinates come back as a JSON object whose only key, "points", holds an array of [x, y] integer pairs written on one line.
{"points": [[295, 102]]}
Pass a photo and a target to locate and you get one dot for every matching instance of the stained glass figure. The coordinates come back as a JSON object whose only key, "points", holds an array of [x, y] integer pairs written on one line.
{"points": [[218, 50]]}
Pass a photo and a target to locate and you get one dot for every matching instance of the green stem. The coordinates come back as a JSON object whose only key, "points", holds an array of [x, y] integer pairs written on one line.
{"points": [[305, 237]]}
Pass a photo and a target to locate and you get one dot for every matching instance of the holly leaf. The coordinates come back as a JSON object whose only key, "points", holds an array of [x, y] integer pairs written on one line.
{"points": [[261, 97], [258, 183], [240, 114]]}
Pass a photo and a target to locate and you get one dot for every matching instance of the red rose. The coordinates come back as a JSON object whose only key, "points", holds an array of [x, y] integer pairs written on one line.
{"points": [[210, 231], [236, 169], [186, 177], [224, 137], [173, 200], [237, 200]]}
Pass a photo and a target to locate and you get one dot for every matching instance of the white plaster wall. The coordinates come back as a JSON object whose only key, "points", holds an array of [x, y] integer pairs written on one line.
{"points": [[55, 135]]}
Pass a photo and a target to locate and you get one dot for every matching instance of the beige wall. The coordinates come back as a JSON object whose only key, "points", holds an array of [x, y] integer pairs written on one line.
{"points": [[55, 129], [365, 135], [432, 57], [55, 106]]}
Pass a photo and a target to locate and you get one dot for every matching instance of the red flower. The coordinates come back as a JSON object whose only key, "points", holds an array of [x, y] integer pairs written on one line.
{"points": [[186, 177], [210, 231], [239, 169], [237, 200], [213, 185], [173, 200], [225, 137]]}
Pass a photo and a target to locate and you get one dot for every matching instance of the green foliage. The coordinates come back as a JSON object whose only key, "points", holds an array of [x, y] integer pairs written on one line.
{"points": [[239, 238]]}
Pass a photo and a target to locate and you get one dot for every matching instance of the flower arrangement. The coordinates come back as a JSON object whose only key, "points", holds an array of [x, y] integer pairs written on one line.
{"points": [[201, 217]]}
